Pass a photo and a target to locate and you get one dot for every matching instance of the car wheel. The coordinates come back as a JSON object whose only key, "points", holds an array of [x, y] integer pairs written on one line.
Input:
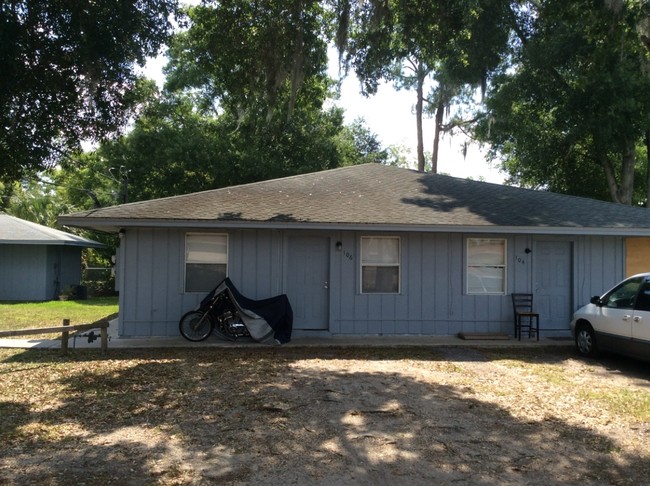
{"points": [[586, 341]]}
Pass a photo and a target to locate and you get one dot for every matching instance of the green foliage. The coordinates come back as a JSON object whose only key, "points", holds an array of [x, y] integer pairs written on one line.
{"points": [[412, 42], [68, 71], [229, 115], [34, 201], [43, 199], [100, 287], [175, 148], [247, 55], [570, 110], [358, 144]]}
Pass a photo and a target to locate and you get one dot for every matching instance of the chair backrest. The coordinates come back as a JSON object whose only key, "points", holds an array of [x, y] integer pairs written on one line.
{"points": [[522, 302]]}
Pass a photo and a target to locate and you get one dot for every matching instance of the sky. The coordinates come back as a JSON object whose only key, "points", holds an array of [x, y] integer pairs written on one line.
{"points": [[390, 115]]}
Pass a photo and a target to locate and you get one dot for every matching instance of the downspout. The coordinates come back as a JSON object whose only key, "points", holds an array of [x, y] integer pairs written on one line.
{"points": [[120, 265], [647, 177]]}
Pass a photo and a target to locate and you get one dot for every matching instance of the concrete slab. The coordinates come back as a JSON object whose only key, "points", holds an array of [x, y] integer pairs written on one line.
{"points": [[300, 341]]}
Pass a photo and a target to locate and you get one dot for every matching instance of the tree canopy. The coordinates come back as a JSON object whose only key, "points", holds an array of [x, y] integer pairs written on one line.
{"points": [[573, 101], [247, 95], [67, 69], [411, 42]]}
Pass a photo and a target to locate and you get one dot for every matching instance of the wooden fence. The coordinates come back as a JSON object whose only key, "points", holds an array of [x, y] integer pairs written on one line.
{"points": [[66, 331]]}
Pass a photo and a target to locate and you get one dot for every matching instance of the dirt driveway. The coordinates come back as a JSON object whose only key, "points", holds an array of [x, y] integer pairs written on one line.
{"points": [[267, 416]]}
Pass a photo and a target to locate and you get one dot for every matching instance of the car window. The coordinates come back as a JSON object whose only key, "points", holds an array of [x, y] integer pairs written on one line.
{"points": [[623, 296], [643, 299]]}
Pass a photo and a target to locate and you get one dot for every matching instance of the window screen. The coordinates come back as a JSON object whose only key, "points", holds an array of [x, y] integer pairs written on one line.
{"points": [[206, 261], [486, 266], [380, 265]]}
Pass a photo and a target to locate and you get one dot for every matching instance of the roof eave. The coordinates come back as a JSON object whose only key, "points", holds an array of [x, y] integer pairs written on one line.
{"points": [[82, 244], [115, 225]]}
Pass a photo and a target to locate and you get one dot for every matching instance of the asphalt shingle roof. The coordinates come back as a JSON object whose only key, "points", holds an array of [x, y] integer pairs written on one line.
{"points": [[373, 195], [16, 231]]}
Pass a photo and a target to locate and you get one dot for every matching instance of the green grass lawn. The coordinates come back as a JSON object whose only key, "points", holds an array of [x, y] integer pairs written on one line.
{"points": [[27, 315]]}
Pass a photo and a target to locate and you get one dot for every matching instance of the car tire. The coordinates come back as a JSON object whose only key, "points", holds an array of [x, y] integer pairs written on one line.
{"points": [[586, 341]]}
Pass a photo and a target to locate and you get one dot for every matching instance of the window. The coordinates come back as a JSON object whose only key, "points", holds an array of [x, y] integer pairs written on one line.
{"points": [[380, 265], [486, 266], [206, 261], [643, 298], [623, 296]]}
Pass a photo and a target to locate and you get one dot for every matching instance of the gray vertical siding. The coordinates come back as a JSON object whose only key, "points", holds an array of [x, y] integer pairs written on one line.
{"points": [[432, 298], [23, 272], [431, 301], [600, 264], [63, 269], [37, 272]]}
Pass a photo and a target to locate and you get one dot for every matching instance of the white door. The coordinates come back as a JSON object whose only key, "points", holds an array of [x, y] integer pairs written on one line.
{"points": [[552, 284], [308, 281]]}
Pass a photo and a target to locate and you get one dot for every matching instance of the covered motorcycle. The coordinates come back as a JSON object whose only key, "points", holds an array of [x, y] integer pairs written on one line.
{"points": [[231, 315]]}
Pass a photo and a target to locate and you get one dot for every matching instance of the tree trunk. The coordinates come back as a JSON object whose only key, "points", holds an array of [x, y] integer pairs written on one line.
{"points": [[418, 114], [440, 114], [626, 189], [610, 177], [621, 193]]}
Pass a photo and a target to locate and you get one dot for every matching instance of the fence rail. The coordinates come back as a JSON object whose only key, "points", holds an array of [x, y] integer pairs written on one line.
{"points": [[66, 330]]}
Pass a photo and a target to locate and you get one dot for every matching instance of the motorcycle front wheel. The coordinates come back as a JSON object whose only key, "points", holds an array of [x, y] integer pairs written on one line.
{"points": [[195, 326]]}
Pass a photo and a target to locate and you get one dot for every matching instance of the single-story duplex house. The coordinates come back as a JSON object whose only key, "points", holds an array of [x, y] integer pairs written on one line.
{"points": [[372, 250], [38, 262]]}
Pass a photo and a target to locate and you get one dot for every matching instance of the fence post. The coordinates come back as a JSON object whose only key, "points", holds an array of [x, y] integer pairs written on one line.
{"points": [[64, 338], [104, 335]]}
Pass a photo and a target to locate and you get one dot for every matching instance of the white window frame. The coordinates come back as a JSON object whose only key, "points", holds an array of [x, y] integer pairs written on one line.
{"points": [[397, 264], [503, 266], [218, 260]]}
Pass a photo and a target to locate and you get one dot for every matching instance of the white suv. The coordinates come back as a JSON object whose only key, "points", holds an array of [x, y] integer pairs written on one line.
{"points": [[619, 321]]}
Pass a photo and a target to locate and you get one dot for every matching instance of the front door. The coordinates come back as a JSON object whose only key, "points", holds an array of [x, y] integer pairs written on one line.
{"points": [[552, 284], [308, 281]]}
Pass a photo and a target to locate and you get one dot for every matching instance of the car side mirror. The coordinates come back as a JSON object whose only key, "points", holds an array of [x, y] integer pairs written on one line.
{"points": [[596, 301]]}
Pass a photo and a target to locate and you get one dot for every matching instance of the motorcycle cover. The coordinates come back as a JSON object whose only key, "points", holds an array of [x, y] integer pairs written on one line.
{"points": [[266, 320]]}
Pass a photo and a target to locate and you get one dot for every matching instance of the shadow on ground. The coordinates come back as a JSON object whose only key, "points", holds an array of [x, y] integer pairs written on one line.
{"points": [[293, 416]]}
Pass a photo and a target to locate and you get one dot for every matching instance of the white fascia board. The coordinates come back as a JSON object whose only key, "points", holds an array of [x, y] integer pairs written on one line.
{"points": [[114, 225]]}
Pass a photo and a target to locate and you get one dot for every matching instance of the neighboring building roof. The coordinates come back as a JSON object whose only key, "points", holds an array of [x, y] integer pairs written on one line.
{"points": [[376, 197], [16, 231]]}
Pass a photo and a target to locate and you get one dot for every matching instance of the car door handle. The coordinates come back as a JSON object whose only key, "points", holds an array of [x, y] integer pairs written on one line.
{"points": [[638, 318], [627, 317]]}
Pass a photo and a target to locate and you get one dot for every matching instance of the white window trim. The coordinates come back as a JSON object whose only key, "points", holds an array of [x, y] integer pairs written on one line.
{"points": [[184, 256], [399, 264], [505, 265]]}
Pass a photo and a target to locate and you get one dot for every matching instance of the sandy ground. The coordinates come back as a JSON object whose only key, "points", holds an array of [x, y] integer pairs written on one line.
{"points": [[456, 415]]}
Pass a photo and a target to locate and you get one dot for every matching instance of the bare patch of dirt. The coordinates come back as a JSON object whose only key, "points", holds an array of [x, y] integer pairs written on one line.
{"points": [[324, 416]]}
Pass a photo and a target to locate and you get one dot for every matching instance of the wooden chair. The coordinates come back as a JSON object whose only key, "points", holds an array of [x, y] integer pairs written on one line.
{"points": [[525, 318]]}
